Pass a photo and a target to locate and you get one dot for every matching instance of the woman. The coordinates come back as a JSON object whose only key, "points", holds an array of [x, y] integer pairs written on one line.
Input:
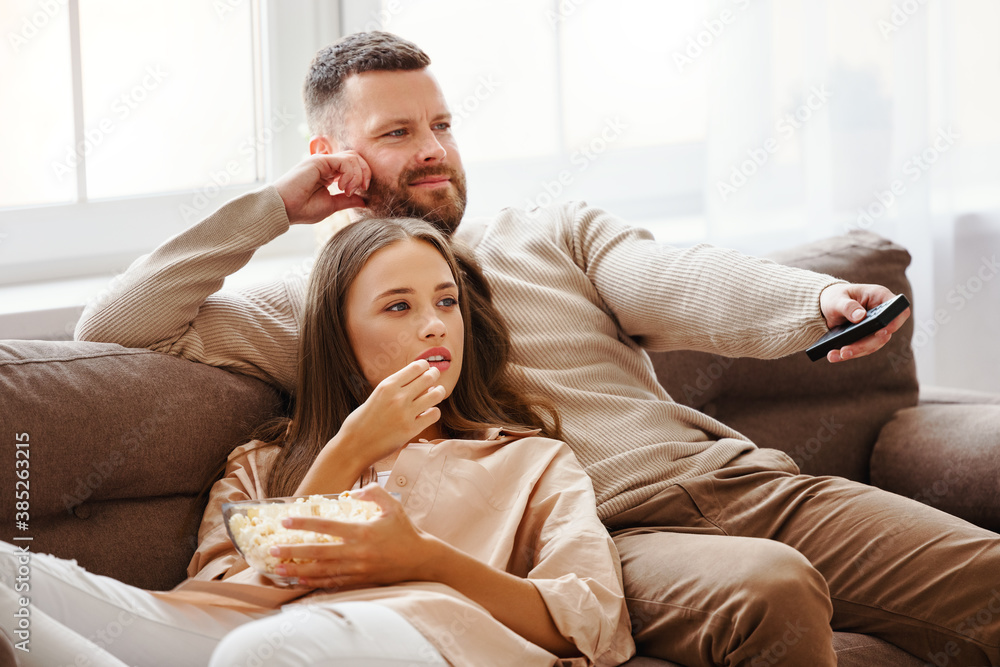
{"points": [[493, 554]]}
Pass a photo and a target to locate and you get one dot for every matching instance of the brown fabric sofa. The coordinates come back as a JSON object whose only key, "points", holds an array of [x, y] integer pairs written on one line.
{"points": [[123, 442]]}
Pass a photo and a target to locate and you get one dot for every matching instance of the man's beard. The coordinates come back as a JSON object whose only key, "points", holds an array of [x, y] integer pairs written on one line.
{"points": [[442, 208]]}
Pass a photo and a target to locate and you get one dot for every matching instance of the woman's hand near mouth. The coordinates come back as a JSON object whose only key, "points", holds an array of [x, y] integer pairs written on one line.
{"points": [[400, 407]]}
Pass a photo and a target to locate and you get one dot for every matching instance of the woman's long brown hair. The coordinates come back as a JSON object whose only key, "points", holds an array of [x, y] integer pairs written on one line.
{"points": [[330, 383]]}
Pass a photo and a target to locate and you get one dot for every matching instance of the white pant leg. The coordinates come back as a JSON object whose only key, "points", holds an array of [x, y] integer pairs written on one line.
{"points": [[323, 635], [45, 642], [128, 622]]}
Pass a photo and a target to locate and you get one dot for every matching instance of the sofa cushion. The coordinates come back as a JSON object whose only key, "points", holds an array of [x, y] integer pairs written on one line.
{"points": [[932, 395], [937, 454], [145, 542], [106, 424], [857, 650], [853, 650], [826, 416]]}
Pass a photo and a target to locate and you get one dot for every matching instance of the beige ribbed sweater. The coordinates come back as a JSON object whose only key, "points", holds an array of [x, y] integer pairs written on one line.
{"points": [[583, 295]]}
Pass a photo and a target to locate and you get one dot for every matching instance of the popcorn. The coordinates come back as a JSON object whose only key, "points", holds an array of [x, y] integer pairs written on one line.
{"points": [[260, 528]]}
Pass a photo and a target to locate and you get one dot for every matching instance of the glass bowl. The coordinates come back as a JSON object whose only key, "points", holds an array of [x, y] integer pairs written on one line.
{"points": [[254, 526]]}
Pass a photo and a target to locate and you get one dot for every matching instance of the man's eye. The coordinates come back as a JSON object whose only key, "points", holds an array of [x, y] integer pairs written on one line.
{"points": [[398, 307], [443, 126], [395, 133]]}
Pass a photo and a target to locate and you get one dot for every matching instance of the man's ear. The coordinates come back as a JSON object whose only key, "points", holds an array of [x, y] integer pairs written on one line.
{"points": [[322, 144]]}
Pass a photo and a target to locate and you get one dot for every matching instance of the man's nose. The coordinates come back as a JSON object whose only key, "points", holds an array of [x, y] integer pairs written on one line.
{"points": [[430, 148]]}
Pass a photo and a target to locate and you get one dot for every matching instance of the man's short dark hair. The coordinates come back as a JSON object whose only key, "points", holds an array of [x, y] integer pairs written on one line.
{"points": [[360, 52]]}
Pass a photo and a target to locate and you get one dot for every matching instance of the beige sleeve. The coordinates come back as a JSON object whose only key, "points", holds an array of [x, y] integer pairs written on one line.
{"points": [[216, 557], [169, 300], [701, 298], [575, 564]]}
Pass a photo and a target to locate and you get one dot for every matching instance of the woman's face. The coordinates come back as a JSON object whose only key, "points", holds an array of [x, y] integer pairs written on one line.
{"points": [[403, 306]]}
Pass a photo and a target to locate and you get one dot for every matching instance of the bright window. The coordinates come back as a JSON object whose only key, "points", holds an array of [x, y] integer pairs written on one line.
{"points": [[149, 117], [126, 122], [36, 78]]}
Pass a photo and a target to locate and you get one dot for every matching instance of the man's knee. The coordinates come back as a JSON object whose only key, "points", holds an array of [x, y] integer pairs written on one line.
{"points": [[737, 574], [784, 573], [782, 576], [749, 601], [790, 601]]}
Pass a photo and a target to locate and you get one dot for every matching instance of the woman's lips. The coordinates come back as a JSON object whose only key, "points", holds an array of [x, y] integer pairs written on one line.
{"points": [[437, 357]]}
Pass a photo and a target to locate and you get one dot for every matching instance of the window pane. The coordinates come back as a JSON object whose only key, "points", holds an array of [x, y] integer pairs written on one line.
{"points": [[496, 65], [618, 60], [977, 52], [861, 83], [973, 106], [168, 93], [36, 108]]}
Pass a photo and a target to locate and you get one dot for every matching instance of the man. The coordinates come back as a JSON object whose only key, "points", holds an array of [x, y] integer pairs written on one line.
{"points": [[687, 499]]}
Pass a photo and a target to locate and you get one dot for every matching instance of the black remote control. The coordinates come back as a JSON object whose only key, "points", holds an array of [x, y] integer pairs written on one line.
{"points": [[877, 318]]}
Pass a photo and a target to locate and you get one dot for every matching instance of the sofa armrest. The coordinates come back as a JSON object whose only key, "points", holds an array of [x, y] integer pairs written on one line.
{"points": [[946, 456], [949, 396], [120, 442], [106, 422]]}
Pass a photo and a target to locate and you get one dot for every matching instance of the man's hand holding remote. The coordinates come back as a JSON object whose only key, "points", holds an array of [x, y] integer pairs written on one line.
{"points": [[844, 302]]}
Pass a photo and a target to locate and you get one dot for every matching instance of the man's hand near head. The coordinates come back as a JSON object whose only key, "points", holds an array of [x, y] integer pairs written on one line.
{"points": [[843, 302], [305, 188]]}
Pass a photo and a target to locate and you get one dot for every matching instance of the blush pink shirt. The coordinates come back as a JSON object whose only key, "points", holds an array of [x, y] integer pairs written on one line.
{"points": [[518, 502]]}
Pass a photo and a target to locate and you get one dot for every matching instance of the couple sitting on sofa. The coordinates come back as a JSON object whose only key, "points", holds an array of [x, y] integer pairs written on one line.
{"points": [[495, 527], [723, 546]]}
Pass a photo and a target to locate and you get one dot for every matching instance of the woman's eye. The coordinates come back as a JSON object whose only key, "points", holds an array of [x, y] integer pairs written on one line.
{"points": [[447, 302], [398, 307]]}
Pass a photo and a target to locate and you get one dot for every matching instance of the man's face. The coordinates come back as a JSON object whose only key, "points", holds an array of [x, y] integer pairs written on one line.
{"points": [[400, 124]]}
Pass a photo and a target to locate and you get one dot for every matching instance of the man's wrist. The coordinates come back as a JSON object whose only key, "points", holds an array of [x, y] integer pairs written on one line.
{"points": [[830, 301]]}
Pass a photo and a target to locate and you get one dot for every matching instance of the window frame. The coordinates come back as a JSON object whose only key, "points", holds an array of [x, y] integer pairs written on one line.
{"points": [[102, 237]]}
